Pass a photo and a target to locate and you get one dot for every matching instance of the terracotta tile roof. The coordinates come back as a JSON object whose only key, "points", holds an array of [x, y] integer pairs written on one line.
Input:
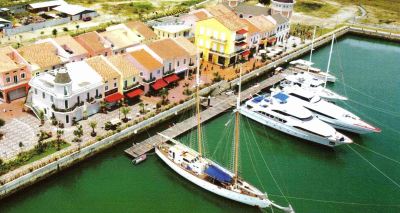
{"points": [[7, 62], [72, 44], [279, 18], [43, 55], [142, 29], [220, 10], [252, 9], [201, 15], [167, 49], [262, 23], [251, 27], [91, 40], [126, 68], [118, 38], [103, 67], [226, 17], [146, 60], [187, 45]]}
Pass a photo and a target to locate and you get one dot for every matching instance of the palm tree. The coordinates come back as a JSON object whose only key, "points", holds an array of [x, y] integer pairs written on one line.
{"points": [[41, 116], [78, 133], [54, 32], [59, 134], [141, 105], [125, 111], [21, 145], [77, 27], [93, 125]]}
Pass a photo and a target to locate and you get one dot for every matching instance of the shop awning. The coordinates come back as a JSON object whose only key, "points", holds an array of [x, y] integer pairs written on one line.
{"points": [[241, 44], [134, 93], [159, 84], [242, 31], [246, 53], [114, 97], [171, 78]]}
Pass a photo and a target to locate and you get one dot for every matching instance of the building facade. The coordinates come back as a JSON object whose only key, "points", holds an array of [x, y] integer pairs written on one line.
{"points": [[14, 75], [67, 94], [283, 7]]}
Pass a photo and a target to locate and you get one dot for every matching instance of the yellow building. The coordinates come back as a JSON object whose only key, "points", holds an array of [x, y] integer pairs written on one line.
{"points": [[222, 38]]}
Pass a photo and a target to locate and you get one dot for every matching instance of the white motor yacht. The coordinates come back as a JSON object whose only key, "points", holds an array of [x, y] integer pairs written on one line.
{"points": [[311, 84], [335, 115], [274, 111]]}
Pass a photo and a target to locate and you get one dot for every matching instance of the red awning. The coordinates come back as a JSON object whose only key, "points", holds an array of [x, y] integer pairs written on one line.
{"points": [[271, 40], [241, 44], [171, 78], [114, 97], [246, 53], [160, 83], [242, 31], [134, 93]]}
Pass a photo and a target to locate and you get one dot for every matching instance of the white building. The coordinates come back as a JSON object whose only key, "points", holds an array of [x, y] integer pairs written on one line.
{"points": [[67, 93], [282, 26], [283, 7], [172, 30]]}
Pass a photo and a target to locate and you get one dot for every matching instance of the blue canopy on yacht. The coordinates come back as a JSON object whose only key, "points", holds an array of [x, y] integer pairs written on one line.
{"points": [[218, 174], [258, 99], [281, 96]]}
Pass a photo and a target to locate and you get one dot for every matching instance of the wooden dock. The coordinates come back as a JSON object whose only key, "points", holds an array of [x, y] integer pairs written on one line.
{"points": [[219, 104]]}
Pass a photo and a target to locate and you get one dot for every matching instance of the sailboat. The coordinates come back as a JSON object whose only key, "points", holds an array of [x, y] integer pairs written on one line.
{"points": [[209, 175], [308, 65]]}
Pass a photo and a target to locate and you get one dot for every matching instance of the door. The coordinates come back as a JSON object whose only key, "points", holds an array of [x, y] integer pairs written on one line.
{"points": [[18, 93]]}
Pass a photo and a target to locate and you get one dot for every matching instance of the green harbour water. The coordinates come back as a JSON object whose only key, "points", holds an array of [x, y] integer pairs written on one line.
{"points": [[356, 178]]}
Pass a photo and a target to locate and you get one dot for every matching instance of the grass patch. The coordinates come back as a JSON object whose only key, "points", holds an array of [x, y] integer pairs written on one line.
{"points": [[129, 9], [30, 156], [316, 8]]}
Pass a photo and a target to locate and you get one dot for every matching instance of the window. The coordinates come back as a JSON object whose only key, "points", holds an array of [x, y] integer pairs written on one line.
{"points": [[207, 44], [66, 104], [201, 42], [115, 84], [222, 49], [87, 96], [8, 79], [22, 75], [15, 79], [65, 91], [208, 32], [141, 73], [52, 99], [78, 99], [125, 83], [223, 36], [43, 95], [214, 47], [133, 79], [215, 35], [177, 63], [66, 119], [35, 91], [106, 88], [163, 70], [184, 61], [158, 71], [169, 66], [201, 30], [97, 93]]}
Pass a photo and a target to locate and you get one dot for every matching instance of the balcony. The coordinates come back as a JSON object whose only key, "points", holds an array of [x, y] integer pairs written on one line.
{"points": [[78, 104], [240, 38], [131, 86], [222, 41]]}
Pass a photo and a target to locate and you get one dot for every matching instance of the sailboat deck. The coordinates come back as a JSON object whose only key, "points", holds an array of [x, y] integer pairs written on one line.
{"points": [[219, 104]]}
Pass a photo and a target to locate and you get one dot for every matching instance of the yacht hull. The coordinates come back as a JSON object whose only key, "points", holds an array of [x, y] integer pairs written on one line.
{"points": [[288, 129], [245, 199], [345, 126]]}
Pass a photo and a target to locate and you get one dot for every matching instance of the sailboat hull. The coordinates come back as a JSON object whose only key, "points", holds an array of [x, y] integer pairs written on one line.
{"points": [[249, 200]]}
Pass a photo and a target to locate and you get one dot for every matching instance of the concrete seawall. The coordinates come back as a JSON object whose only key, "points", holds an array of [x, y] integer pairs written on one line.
{"points": [[34, 176]]}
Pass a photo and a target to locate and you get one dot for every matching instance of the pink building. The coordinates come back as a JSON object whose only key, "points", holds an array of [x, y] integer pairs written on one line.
{"points": [[14, 75]]}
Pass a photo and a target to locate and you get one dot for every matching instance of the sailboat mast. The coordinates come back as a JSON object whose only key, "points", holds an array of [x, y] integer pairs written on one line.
{"points": [[329, 60], [237, 135], [312, 43], [199, 139]]}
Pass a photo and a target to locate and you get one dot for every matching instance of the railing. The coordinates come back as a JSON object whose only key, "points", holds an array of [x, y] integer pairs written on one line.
{"points": [[131, 86], [149, 80], [218, 40], [78, 104]]}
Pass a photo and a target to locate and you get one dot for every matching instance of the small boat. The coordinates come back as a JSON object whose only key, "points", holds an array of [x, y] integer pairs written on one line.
{"points": [[139, 159]]}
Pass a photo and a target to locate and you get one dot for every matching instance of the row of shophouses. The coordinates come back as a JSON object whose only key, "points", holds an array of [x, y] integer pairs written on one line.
{"points": [[67, 77]]}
